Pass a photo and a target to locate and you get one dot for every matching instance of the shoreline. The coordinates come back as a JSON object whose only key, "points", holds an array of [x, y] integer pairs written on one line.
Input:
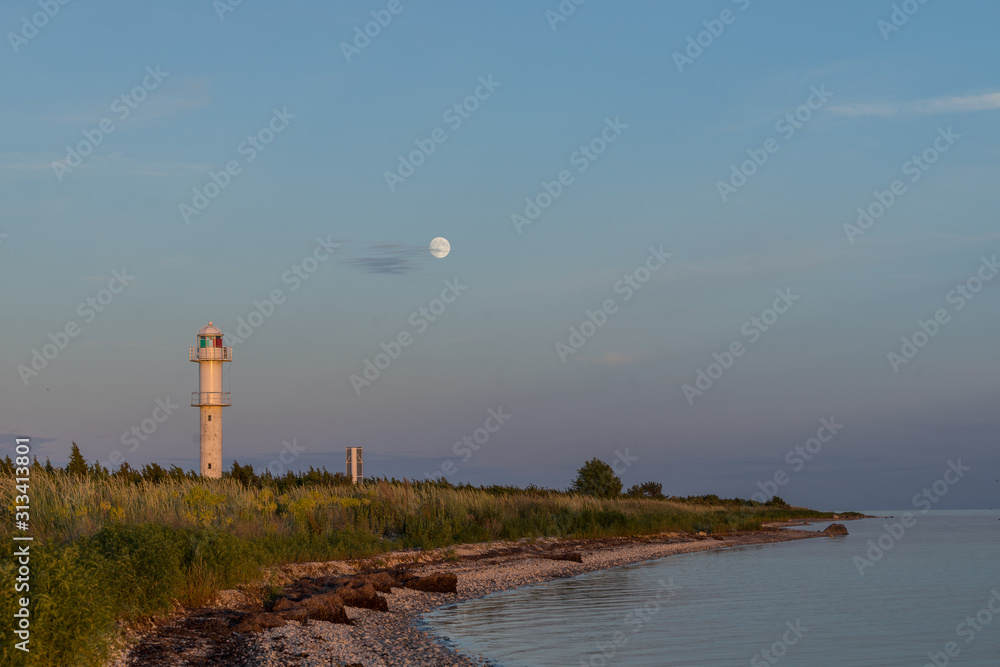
{"points": [[399, 634], [402, 636]]}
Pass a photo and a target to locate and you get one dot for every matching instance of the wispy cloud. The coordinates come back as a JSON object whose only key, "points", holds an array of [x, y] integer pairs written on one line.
{"points": [[28, 161], [937, 105], [11, 438], [113, 163], [388, 258], [174, 98]]}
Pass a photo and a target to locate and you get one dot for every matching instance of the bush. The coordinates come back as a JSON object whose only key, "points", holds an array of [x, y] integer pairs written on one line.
{"points": [[596, 478], [647, 490], [112, 548], [146, 562]]}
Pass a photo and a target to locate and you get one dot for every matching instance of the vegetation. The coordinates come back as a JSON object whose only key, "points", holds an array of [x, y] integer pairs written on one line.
{"points": [[646, 490], [115, 547], [596, 478]]}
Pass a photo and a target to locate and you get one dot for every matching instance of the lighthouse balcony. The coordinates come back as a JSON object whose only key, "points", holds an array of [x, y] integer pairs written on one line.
{"points": [[199, 398], [211, 353]]}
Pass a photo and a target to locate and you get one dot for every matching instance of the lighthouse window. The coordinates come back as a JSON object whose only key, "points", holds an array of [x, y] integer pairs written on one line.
{"points": [[203, 342], [210, 418], [218, 342], [209, 466]]}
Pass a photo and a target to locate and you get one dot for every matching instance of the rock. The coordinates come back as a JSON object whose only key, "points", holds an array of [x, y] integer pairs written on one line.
{"points": [[365, 597], [301, 615], [442, 582], [258, 622], [283, 604], [334, 581], [327, 607], [401, 575], [572, 556], [380, 581], [835, 529]]}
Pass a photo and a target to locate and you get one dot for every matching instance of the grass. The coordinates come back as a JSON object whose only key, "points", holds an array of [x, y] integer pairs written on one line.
{"points": [[110, 550]]}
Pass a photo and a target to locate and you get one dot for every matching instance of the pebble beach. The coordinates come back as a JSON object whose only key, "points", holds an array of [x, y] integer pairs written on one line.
{"points": [[398, 637]]}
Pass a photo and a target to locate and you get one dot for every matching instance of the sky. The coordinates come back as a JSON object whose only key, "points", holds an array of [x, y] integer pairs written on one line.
{"points": [[688, 239]]}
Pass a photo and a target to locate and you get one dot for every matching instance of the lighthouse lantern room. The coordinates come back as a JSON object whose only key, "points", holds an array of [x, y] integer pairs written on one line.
{"points": [[209, 353]]}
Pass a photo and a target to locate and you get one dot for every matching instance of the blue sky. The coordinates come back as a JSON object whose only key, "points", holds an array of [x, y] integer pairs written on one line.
{"points": [[879, 97]]}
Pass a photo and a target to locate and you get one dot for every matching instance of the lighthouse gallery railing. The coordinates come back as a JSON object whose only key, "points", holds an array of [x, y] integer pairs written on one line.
{"points": [[211, 353], [210, 398]]}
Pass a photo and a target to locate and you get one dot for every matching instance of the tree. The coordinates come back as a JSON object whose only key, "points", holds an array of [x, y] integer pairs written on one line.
{"points": [[647, 490], [153, 472], [597, 478], [77, 466]]}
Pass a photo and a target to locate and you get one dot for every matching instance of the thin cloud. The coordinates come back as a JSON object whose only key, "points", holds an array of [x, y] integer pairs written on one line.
{"points": [[938, 105], [40, 165], [389, 259], [28, 161], [11, 439], [172, 99]]}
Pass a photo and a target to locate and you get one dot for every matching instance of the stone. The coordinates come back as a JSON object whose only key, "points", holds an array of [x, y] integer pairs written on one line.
{"points": [[442, 582], [258, 622], [327, 607], [572, 556], [365, 598]]}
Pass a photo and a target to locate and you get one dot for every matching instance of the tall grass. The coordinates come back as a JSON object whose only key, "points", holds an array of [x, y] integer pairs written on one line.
{"points": [[110, 549]]}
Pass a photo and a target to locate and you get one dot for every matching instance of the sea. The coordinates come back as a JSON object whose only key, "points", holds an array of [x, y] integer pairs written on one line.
{"points": [[904, 589]]}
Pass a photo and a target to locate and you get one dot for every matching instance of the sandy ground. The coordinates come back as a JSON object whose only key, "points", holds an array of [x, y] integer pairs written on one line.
{"points": [[199, 637]]}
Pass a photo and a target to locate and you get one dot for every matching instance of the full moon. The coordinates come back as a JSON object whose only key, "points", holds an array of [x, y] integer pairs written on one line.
{"points": [[440, 247]]}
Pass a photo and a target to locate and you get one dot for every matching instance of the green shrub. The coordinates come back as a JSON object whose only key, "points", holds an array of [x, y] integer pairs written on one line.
{"points": [[117, 547]]}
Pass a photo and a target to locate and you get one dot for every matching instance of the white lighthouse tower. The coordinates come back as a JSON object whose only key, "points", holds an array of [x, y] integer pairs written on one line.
{"points": [[210, 355]]}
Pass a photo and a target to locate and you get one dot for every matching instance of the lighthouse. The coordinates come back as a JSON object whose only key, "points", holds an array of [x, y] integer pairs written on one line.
{"points": [[210, 354]]}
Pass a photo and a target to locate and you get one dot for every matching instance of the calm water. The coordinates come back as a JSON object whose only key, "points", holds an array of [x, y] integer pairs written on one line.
{"points": [[803, 602]]}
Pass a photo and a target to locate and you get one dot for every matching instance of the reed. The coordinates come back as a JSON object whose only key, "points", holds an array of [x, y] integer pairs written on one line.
{"points": [[110, 549]]}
